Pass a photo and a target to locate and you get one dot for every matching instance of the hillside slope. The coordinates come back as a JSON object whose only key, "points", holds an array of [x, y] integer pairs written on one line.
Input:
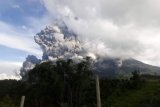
{"points": [[109, 68]]}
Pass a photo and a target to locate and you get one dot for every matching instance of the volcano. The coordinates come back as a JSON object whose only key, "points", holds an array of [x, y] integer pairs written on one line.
{"points": [[58, 41]]}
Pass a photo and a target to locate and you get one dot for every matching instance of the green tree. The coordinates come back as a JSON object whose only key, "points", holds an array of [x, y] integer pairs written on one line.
{"points": [[61, 83], [135, 79]]}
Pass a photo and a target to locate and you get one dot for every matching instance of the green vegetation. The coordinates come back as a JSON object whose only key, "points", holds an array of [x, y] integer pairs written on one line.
{"points": [[69, 84], [146, 96]]}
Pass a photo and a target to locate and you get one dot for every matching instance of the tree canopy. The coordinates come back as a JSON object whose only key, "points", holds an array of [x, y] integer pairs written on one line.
{"points": [[63, 82]]}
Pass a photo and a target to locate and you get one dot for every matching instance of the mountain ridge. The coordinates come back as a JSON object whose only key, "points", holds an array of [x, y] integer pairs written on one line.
{"points": [[129, 65]]}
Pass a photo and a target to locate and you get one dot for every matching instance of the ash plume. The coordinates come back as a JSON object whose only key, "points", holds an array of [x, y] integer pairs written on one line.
{"points": [[29, 64], [58, 41]]}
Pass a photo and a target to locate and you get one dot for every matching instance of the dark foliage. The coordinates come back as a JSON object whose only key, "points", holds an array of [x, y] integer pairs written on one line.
{"points": [[69, 84], [60, 84]]}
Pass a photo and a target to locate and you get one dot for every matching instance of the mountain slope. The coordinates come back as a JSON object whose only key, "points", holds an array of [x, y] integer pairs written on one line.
{"points": [[109, 68]]}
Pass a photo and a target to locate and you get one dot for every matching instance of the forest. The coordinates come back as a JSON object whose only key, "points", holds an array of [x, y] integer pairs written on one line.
{"points": [[69, 84]]}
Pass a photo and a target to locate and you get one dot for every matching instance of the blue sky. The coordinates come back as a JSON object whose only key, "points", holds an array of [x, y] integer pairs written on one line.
{"points": [[16, 12], [20, 20]]}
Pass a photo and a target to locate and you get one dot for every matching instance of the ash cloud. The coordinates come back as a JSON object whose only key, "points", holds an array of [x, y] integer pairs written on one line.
{"points": [[126, 28], [29, 64], [58, 42], [105, 28], [97, 21]]}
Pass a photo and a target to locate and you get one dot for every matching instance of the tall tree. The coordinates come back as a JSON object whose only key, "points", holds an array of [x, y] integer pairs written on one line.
{"points": [[63, 82]]}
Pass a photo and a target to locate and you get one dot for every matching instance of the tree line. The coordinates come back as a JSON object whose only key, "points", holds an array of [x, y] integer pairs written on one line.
{"points": [[63, 84]]}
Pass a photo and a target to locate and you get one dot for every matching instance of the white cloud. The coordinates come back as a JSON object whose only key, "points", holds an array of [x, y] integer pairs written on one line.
{"points": [[15, 38], [127, 28], [9, 69], [5, 76], [19, 38]]}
